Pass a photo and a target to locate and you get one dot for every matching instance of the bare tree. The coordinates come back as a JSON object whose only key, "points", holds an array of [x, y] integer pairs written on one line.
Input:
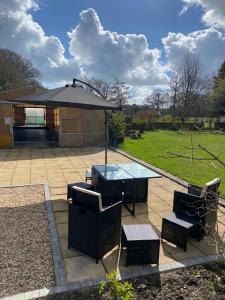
{"points": [[119, 92], [189, 85], [16, 71], [174, 85], [116, 91], [156, 101], [105, 88]]}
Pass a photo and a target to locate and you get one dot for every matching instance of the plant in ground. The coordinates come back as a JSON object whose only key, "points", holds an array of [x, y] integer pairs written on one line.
{"points": [[116, 128], [116, 289]]}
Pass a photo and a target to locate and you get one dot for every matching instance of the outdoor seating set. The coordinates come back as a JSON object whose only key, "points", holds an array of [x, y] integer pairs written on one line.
{"points": [[95, 213]]}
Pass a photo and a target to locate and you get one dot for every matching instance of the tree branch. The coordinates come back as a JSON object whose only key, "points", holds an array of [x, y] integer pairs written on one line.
{"points": [[214, 157]]}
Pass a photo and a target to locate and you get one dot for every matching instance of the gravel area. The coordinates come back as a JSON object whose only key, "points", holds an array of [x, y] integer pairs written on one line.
{"points": [[25, 250]]}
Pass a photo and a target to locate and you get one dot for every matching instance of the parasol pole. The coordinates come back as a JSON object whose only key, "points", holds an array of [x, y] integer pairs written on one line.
{"points": [[106, 136], [106, 116]]}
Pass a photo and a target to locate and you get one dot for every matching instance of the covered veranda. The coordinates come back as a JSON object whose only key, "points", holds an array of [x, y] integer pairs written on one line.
{"points": [[67, 116]]}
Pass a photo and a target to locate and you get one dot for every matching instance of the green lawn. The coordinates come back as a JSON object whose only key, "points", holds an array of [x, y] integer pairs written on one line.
{"points": [[154, 146]]}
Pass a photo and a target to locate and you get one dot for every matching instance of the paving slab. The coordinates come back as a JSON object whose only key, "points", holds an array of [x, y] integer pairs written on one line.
{"points": [[68, 252], [83, 267]]}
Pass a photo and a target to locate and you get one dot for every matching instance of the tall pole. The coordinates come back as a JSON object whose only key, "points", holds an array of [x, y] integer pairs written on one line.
{"points": [[106, 116], [106, 136]]}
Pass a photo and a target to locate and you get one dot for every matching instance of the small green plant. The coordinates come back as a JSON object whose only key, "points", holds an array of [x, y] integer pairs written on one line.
{"points": [[115, 289]]}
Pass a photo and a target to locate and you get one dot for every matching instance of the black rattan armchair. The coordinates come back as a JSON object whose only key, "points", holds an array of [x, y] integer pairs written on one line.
{"points": [[92, 229], [192, 213]]}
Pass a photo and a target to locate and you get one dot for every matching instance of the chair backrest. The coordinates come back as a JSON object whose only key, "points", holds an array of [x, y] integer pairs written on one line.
{"points": [[210, 195], [210, 188], [190, 205], [87, 199]]}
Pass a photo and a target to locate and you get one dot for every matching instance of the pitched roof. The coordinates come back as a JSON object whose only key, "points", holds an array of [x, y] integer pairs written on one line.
{"points": [[68, 97]]}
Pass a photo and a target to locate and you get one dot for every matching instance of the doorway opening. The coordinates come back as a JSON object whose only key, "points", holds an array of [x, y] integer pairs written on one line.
{"points": [[35, 125], [35, 116]]}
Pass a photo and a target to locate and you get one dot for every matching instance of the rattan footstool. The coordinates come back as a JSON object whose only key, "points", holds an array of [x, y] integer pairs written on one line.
{"points": [[142, 244]]}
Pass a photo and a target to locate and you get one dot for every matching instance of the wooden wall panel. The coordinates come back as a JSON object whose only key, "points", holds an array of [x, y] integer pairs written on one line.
{"points": [[71, 113], [72, 126], [95, 139], [4, 128], [19, 115], [5, 110], [95, 126], [5, 140], [71, 140], [94, 114]]}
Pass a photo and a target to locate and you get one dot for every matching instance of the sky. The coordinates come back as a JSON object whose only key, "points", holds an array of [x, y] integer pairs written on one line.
{"points": [[138, 41]]}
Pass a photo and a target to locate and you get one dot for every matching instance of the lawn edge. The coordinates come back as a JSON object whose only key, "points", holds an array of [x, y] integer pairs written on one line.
{"points": [[158, 170]]}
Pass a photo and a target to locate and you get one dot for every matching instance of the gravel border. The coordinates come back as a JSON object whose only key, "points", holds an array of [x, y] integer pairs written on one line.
{"points": [[23, 261]]}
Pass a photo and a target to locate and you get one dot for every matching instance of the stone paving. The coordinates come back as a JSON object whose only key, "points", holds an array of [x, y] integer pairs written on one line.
{"points": [[60, 166]]}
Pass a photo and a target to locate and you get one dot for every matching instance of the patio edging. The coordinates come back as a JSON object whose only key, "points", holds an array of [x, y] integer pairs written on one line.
{"points": [[147, 270], [56, 252]]}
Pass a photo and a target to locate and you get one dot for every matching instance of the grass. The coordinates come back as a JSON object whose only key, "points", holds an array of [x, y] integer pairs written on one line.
{"points": [[154, 146]]}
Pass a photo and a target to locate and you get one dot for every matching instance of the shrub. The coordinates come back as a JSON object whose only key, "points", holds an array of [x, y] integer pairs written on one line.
{"points": [[141, 125], [116, 128], [115, 289]]}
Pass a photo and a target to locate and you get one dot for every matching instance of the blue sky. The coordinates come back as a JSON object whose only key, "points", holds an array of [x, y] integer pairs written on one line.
{"points": [[140, 42], [152, 18]]}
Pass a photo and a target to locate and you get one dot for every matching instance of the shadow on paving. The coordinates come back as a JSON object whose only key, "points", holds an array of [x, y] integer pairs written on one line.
{"points": [[29, 152]]}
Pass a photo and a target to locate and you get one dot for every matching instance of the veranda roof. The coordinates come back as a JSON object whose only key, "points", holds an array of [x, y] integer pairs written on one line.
{"points": [[68, 97]]}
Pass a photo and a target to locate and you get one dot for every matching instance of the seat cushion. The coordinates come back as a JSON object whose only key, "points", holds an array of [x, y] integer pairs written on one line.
{"points": [[182, 219], [87, 199]]}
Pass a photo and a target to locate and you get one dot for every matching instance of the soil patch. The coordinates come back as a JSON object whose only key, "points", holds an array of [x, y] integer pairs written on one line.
{"points": [[196, 283]]}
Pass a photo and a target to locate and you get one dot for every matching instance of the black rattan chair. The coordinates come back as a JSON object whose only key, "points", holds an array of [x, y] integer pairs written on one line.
{"points": [[92, 229], [80, 184], [192, 212]]}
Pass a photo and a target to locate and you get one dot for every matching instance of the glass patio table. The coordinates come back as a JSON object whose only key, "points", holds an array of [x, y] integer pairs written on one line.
{"points": [[122, 182]]}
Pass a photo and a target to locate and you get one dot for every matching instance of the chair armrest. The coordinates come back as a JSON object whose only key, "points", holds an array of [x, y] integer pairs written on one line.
{"points": [[111, 214], [194, 189], [113, 206]]}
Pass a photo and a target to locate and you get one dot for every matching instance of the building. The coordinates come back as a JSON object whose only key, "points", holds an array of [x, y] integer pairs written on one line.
{"points": [[37, 117]]}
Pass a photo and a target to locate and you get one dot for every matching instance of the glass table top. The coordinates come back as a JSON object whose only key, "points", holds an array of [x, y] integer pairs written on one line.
{"points": [[125, 171], [112, 172]]}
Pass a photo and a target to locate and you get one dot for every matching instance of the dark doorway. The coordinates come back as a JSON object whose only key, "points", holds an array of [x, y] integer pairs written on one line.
{"points": [[34, 127]]}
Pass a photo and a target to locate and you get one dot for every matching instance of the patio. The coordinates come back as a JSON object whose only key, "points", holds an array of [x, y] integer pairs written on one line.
{"points": [[60, 166]]}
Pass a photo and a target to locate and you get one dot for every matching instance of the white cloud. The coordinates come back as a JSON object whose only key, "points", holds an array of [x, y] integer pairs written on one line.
{"points": [[95, 51], [214, 11], [19, 32], [138, 94], [209, 44], [104, 54]]}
